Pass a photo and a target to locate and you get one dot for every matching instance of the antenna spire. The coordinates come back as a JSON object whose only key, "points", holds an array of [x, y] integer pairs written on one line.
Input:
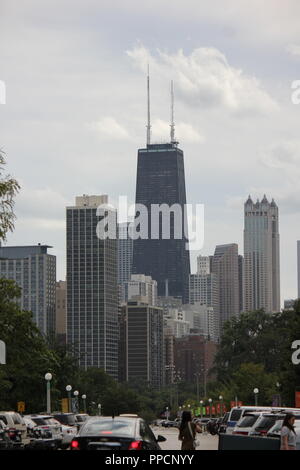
{"points": [[172, 125], [148, 109]]}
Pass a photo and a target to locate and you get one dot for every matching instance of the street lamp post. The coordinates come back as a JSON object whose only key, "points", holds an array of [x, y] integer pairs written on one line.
{"points": [[221, 400], [48, 378], [256, 392], [210, 401], [201, 408], [76, 393], [84, 403], [69, 389], [279, 394]]}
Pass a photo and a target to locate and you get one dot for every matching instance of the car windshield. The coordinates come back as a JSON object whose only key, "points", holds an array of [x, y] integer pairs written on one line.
{"points": [[235, 415], [69, 420], [39, 421], [80, 419], [108, 427], [247, 421], [266, 422], [52, 421]]}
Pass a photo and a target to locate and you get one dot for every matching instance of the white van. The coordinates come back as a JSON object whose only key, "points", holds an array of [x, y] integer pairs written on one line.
{"points": [[237, 412]]}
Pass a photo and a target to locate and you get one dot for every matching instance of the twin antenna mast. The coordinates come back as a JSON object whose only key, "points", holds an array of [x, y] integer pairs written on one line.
{"points": [[172, 125]]}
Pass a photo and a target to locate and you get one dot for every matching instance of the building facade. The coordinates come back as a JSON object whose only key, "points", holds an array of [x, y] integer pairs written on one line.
{"points": [[142, 343], [141, 287], [225, 265], [61, 312], [125, 252], [194, 355], [261, 256], [163, 256], [92, 289], [34, 270]]}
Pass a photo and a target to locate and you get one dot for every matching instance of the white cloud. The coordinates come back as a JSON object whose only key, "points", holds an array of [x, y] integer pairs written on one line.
{"points": [[183, 132], [204, 78], [109, 128], [293, 50]]}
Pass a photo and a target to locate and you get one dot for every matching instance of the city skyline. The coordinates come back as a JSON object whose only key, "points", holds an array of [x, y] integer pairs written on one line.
{"points": [[83, 120]]}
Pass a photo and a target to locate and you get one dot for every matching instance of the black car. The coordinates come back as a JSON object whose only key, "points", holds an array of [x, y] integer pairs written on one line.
{"points": [[115, 433]]}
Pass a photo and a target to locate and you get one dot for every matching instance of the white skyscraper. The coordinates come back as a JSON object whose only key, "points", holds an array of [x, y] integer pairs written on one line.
{"points": [[141, 287], [261, 256]]}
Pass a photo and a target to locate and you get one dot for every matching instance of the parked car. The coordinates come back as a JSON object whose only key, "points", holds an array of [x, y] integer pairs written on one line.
{"points": [[116, 433], [246, 423], [212, 426], [237, 412], [82, 417], [5, 441], [50, 430], [17, 429], [68, 426], [265, 422], [223, 424], [275, 430], [167, 423]]}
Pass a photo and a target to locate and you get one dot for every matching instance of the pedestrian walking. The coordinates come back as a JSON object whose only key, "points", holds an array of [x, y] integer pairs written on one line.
{"points": [[187, 431], [288, 433]]}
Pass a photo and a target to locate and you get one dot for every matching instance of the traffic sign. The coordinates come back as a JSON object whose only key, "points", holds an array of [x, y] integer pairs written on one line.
{"points": [[21, 406], [65, 405]]}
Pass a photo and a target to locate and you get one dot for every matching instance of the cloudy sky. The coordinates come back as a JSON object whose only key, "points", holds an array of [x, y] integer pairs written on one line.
{"points": [[76, 108]]}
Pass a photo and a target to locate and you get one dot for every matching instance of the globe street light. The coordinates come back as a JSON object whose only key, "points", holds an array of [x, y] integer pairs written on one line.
{"points": [[256, 392], [68, 389], [84, 402], [48, 378]]}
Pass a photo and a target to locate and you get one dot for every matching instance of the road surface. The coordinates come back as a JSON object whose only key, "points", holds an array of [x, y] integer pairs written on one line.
{"points": [[207, 441]]}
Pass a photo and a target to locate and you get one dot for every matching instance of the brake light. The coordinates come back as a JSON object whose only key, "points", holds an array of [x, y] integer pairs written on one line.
{"points": [[135, 445], [106, 432], [75, 445]]}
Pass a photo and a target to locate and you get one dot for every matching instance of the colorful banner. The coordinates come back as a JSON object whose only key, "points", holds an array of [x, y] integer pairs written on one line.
{"points": [[297, 399]]}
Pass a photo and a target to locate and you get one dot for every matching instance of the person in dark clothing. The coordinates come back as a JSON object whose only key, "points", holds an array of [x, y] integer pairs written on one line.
{"points": [[187, 431]]}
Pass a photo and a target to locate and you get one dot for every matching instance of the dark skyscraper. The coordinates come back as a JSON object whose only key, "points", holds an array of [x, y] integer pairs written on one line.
{"points": [[161, 180]]}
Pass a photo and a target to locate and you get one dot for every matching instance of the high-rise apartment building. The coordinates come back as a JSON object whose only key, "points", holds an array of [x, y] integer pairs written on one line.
{"points": [[261, 256], [92, 292], [34, 270], [225, 265], [141, 287], [142, 343], [125, 252], [61, 312]]}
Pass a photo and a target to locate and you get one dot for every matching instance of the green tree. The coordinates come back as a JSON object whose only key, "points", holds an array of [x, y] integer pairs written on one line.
{"points": [[9, 188], [28, 357]]}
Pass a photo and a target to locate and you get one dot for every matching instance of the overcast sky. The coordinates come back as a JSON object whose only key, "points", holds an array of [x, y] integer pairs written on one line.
{"points": [[75, 113]]}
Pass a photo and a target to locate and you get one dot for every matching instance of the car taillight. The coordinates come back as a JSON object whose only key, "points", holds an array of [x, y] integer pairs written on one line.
{"points": [[135, 445], [75, 445]]}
